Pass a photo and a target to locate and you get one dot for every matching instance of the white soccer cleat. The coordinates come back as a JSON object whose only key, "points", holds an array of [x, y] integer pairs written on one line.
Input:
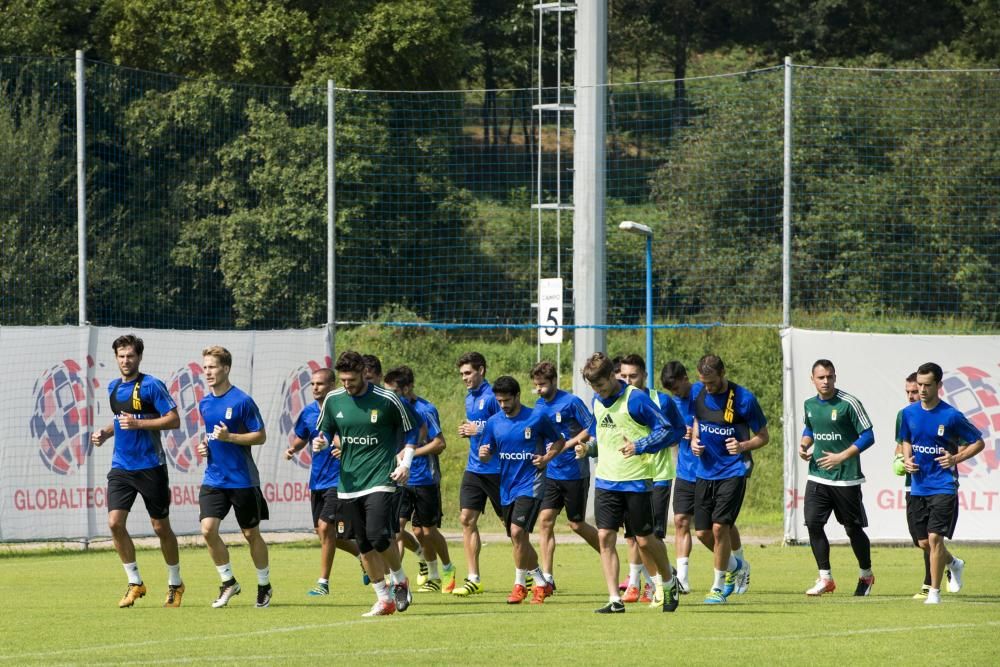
{"points": [[743, 578], [933, 597], [956, 569], [822, 586]]}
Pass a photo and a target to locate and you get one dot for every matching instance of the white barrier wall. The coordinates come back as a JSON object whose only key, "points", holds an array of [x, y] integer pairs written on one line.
{"points": [[873, 367], [55, 389]]}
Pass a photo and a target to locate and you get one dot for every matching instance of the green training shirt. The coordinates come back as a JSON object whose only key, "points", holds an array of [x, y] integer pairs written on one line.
{"points": [[836, 425]]}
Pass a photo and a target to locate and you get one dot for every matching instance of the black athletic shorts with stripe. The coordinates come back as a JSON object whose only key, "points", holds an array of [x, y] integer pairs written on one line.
{"points": [[153, 484]]}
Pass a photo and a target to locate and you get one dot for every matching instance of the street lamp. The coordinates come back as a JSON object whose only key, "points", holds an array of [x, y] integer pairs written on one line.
{"points": [[643, 230]]}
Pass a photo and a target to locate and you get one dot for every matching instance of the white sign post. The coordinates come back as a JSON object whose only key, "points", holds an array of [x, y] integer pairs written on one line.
{"points": [[550, 310]]}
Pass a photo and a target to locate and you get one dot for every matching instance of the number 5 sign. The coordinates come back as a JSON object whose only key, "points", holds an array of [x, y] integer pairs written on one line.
{"points": [[550, 310]]}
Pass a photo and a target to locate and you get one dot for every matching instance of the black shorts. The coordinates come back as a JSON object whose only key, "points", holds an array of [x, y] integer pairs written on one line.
{"points": [[936, 514], [152, 484], [683, 497], [844, 502], [569, 493], [718, 501], [909, 526], [372, 520], [476, 488], [396, 506], [422, 506], [325, 505], [522, 512], [661, 505], [248, 504], [634, 509]]}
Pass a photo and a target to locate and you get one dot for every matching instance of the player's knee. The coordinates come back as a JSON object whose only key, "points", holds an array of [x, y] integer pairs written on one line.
{"points": [[380, 543], [161, 527], [682, 522]]}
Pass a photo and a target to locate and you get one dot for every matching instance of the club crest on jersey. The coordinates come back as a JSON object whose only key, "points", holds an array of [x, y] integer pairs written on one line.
{"points": [[833, 415], [482, 403], [940, 430], [558, 417], [527, 433], [374, 416], [229, 413]]}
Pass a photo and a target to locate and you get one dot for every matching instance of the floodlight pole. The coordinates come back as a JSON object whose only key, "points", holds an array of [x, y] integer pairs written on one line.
{"points": [[643, 230]]}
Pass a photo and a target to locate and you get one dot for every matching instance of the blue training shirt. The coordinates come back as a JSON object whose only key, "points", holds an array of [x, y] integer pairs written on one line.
{"points": [[687, 463], [676, 421], [325, 470], [425, 470], [932, 433], [716, 462], [140, 450], [480, 405], [570, 416], [230, 466], [515, 441]]}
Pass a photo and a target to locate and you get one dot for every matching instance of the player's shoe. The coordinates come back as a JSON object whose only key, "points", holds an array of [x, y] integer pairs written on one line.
{"points": [[671, 596], [955, 570], [319, 589], [552, 583], [448, 579], [365, 579], [729, 585], [657, 598], [132, 593], [423, 572], [541, 592], [611, 608], [933, 597], [631, 594], [864, 586], [430, 586], [715, 596], [922, 594], [381, 608], [647, 594], [226, 592], [264, 595], [743, 577], [468, 588], [174, 595], [683, 586], [402, 595], [517, 595], [622, 586], [822, 586]]}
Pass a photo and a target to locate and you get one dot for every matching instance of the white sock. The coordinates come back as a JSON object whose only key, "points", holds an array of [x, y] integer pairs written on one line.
{"points": [[548, 577], [264, 576], [520, 576], [540, 579], [864, 572], [826, 575], [132, 571], [381, 590], [657, 582], [634, 571], [682, 569], [738, 553], [397, 576], [174, 575], [432, 570], [447, 567], [720, 580], [646, 575], [733, 564], [323, 581], [615, 598], [473, 577], [225, 572]]}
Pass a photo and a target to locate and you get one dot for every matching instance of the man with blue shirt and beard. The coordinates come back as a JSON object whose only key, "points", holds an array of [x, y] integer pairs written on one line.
{"points": [[728, 425], [517, 438], [936, 438]]}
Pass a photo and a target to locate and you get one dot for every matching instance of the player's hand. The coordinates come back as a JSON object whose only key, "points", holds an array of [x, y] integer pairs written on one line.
{"points": [[829, 461], [203, 448], [628, 449], [947, 460], [99, 437], [539, 461], [290, 453], [687, 433], [733, 446], [805, 451], [484, 453], [400, 475], [127, 422], [910, 465], [580, 450], [467, 429], [696, 447], [898, 466], [320, 442], [221, 432]]}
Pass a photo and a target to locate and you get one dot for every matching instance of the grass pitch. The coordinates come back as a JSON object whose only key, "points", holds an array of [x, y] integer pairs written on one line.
{"points": [[61, 608]]}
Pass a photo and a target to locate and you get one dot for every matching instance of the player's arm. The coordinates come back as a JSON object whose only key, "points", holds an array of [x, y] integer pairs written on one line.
{"points": [[253, 433], [676, 420], [588, 446], [486, 444], [642, 409], [557, 443], [805, 444], [831, 460], [165, 422], [102, 435], [435, 443], [974, 444], [294, 448], [758, 425], [696, 447]]}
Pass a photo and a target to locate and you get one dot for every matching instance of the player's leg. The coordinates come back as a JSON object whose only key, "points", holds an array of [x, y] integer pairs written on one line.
{"points": [[704, 508], [472, 498], [817, 508], [381, 522], [552, 504], [122, 491], [154, 487], [356, 516], [250, 509], [641, 521], [575, 498], [849, 508], [609, 510], [683, 515]]}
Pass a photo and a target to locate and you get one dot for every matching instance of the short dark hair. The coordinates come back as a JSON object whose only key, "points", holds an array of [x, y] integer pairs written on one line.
{"points": [[711, 362], [671, 373], [616, 363], [372, 363], [598, 366], [544, 369], [474, 359], [328, 372], [912, 377], [128, 340], [825, 363], [350, 361], [930, 368], [634, 360], [401, 376], [507, 386]]}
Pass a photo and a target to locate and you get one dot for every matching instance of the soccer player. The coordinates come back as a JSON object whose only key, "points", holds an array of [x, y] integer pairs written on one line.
{"points": [[324, 475], [233, 426], [421, 501], [626, 424], [142, 407], [481, 481], [517, 435], [728, 425], [661, 465], [567, 479], [936, 438], [674, 378], [371, 422], [837, 429]]}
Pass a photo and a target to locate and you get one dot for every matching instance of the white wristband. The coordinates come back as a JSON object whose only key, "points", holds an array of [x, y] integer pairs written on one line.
{"points": [[407, 457]]}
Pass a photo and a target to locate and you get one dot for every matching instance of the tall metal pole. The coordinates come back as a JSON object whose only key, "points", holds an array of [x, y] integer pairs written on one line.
{"points": [[649, 305], [331, 211], [589, 271], [81, 192], [786, 214]]}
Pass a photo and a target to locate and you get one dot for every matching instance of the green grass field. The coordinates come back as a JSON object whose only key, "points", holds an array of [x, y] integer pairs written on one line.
{"points": [[61, 608]]}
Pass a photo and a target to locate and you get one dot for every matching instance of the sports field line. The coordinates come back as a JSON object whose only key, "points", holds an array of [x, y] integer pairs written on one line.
{"points": [[439, 649]]}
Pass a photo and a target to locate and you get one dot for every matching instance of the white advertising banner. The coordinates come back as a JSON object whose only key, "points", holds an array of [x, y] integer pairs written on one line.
{"points": [[53, 482], [873, 368]]}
